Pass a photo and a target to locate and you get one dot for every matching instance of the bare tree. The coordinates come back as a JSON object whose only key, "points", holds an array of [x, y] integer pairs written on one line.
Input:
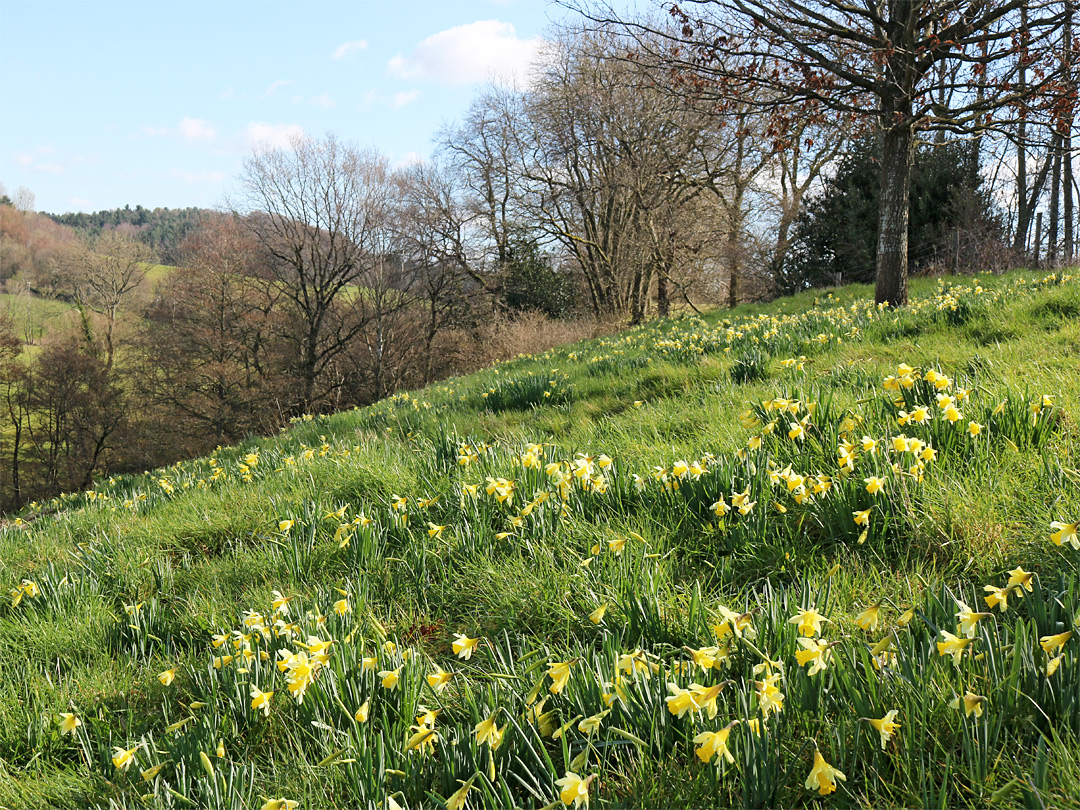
{"points": [[318, 209], [910, 67], [103, 275]]}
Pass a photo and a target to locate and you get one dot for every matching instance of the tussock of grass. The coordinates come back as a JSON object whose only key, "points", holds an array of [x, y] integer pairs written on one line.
{"points": [[431, 514]]}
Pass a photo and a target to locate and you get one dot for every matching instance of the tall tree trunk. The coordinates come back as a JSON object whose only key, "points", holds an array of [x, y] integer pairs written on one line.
{"points": [[892, 248], [1055, 204]]}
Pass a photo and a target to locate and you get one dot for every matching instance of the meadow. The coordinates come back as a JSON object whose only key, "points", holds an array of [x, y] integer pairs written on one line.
{"points": [[805, 553]]}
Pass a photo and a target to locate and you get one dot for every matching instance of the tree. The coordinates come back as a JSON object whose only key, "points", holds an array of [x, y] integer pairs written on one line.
{"points": [[319, 210], [206, 346], [906, 67], [103, 275], [834, 237]]}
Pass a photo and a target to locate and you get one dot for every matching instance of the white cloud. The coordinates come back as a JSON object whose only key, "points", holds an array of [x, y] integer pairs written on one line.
{"points": [[227, 94], [277, 86], [191, 178], [487, 49], [49, 168], [345, 48], [263, 136], [24, 158], [324, 101], [79, 202], [195, 129], [155, 132], [404, 97]]}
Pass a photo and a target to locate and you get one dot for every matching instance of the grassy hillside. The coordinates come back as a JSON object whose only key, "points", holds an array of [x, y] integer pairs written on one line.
{"points": [[776, 533]]}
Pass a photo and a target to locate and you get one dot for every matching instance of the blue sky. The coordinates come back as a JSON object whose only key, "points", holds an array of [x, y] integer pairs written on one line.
{"points": [[157, 102]]}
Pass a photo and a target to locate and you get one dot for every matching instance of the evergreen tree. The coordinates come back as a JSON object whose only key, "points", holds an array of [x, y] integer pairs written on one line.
{"points": [[836, 234]]}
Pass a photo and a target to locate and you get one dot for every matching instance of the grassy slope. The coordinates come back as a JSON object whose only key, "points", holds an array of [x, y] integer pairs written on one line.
{"points": [[196, 548]]}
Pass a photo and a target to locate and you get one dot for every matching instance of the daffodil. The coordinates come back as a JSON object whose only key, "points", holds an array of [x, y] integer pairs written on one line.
{"points": [[597, 615], [715, 744], [967, 619], [68, 723], [1020, 580], [487, 732], [823, 776], [167, 677], [634, 663], [1065, 533], [261, 700], [123, 758], [574, 790], [456, 801], [996, 597], [862, 518], [463, 646], [423, 739], [149, 774], [815, 652], [390, 677], [590, 725], [708, 657], [874, 485], [681, 700], [953, 646], [868, 620], [809, 621], [770, 698], [972, 703], [363, 712], [559, 672], [705, 697], [886, 726], [438, 679], [1051, 643], [279, 804]]}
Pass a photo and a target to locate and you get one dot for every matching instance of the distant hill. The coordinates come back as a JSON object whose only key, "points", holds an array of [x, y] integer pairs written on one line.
{"points": [[163, 229]]}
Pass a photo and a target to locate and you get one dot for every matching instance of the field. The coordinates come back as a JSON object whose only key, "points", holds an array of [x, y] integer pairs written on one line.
{"points": [[814, 552]]}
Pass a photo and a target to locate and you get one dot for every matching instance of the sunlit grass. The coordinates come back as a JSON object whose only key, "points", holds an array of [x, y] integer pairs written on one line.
{"points": [[630, 544]]}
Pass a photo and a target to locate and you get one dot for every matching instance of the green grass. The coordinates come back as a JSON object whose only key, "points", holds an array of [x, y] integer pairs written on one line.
{"points": [[640, 438]]}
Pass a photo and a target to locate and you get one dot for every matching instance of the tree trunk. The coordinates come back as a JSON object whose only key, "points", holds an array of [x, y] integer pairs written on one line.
{"points": [[892, 249], [1055, 207]]}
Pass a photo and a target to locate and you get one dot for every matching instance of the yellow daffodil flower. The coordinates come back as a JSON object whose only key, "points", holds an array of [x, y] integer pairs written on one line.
{"points": [[823, 776], [809, 622], [261, 700], [972, 703], [390, 677], [1020, 581], [456, 801], [363, 712], [885, 726], [953, 646], [1065, 533], [715, 744], [68, 723], [996, 598], [559, 672], [869, 619], [1051, 643], [123, 758], [967, 619], [815, 652], [438, 679], [463, 646], [574, 790]]}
